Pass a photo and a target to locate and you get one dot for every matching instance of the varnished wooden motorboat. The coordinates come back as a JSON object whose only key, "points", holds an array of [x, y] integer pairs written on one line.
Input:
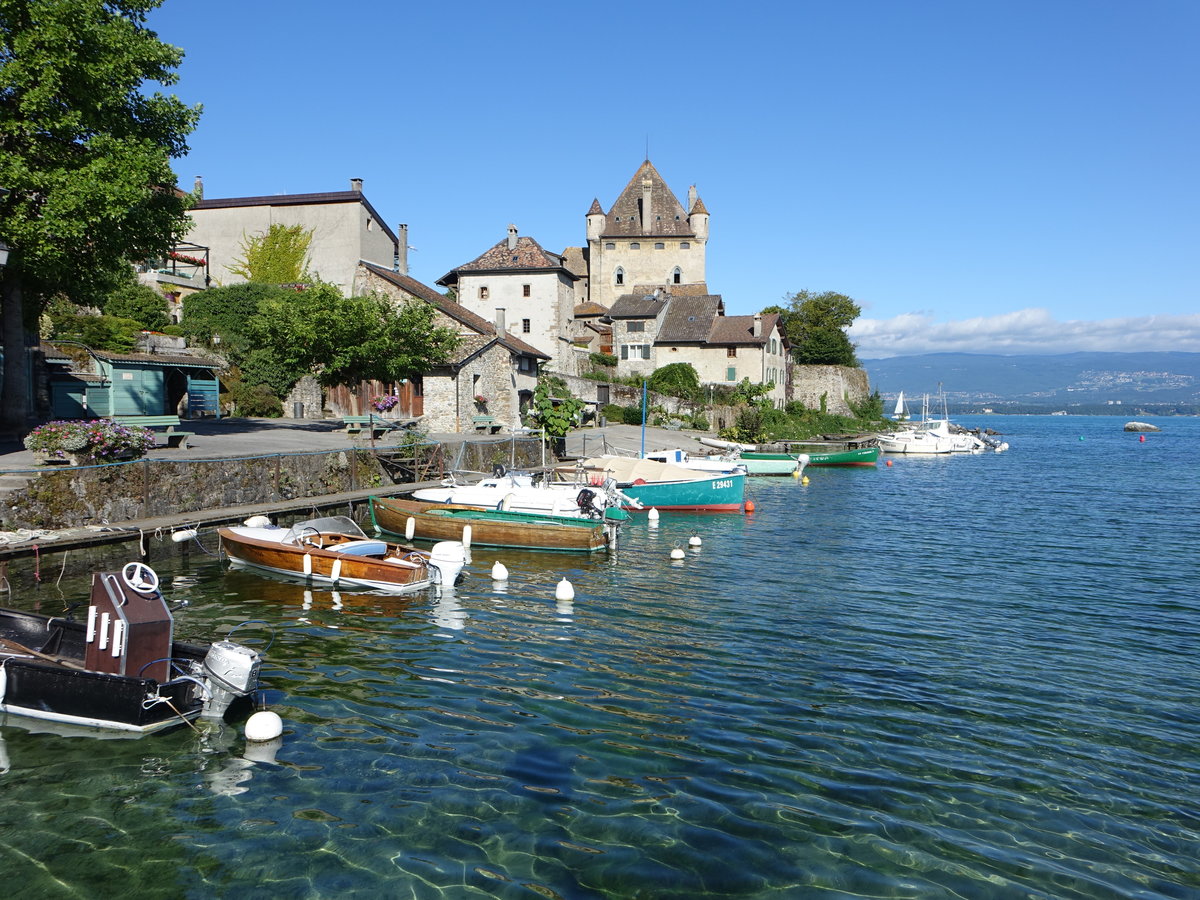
{"points": [[495, 528], [330, 550]]}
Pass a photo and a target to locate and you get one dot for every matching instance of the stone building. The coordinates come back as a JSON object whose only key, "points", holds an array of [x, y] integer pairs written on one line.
{"points": [[345, 229], [489, 363], [531, 284]]}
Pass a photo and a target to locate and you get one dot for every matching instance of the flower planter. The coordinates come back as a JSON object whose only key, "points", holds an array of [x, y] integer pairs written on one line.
{"points": [[50, 458]]}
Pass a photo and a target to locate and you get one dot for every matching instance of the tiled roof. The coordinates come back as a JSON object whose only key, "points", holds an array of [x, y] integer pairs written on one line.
{"points": [[689, 320], [528, 254], [298, 200], [174, 359], [677, 290], [698, 207], [588, 308], [596, 208], [637, 306], [739, 329], [455, 311], [575, 260], [665, 217]]}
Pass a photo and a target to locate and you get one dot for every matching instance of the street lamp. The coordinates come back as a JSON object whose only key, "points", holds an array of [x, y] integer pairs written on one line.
{"points": [[3, 254]]}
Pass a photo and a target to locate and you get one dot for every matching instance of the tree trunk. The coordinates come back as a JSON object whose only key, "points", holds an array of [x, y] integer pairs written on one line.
{"points": [[14, 411]]}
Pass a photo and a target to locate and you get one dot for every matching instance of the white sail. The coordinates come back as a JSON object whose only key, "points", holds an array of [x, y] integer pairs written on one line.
{"points": [[899, 411]]}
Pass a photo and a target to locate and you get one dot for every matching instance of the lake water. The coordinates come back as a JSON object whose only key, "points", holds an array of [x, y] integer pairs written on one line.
{"points": [[961, 677]]}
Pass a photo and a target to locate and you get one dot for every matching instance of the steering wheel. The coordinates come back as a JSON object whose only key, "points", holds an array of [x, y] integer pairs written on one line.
{"points": [[140, 577], [315, 541]]}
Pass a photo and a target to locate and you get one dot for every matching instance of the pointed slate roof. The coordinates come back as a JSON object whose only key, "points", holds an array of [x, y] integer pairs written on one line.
{"points": [[689, 320], [596, 209], [698, 207], [666, 216]]}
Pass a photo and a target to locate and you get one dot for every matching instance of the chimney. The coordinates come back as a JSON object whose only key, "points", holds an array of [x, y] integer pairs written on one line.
{"points": [[500, 329], [198, 188], [691, 198], [647, 206], [356, 185], [402, 249], [512, 238], [757, 330]]}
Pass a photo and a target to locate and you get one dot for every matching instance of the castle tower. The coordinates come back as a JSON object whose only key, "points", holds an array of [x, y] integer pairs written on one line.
{"points": [[646, 240]]}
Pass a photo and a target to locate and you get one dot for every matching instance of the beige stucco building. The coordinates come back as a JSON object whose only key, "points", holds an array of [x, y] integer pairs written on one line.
{"points": [[345, 229]]}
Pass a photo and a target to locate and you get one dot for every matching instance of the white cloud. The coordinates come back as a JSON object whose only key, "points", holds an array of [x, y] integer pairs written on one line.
{"points": [[1023, 331]]}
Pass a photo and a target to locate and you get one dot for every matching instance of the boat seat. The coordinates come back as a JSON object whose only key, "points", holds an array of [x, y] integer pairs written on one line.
{"points": [[361, 548]]}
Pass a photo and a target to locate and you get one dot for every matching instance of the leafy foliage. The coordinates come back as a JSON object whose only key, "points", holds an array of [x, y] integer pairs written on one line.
{"points": [[225, 313], [277, 257], [555, 410], [346, 340], [602, 359], [139, 302], [84, 156], [67, 322], [815, 325], [676, 380], [255, 400]]}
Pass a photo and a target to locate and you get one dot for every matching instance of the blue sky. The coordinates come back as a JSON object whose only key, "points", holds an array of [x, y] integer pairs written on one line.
{"points": [[980, 175]]}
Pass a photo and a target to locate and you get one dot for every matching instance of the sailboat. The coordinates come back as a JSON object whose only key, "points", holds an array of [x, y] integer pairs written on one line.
{"points": [[900, 412]]}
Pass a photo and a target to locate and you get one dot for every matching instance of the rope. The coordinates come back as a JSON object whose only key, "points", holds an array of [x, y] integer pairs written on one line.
{"points": [[37, 564]]}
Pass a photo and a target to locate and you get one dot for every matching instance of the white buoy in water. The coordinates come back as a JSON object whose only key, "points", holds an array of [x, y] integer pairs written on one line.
{"points": [[410, 528], [499, 572], [694, 541], [677, 553], [466, 541], [564, 591], [184, 534], [264, 726], [652, 515]]}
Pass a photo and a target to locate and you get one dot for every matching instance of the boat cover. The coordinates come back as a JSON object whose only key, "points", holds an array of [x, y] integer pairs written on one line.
{"points": [[627, 469]]}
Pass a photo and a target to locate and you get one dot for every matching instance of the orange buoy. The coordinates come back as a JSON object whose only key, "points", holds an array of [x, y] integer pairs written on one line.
{"points": [[888, 463], [749, 506], [1141, 439]]}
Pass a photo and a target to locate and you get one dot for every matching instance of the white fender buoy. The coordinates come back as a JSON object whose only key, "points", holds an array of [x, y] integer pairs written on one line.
{"points": [[264, 726], [499, 572], [184, 534], [410, 528], [677, 553], [257, 522], [564, 591], [694, 541], [466, 539], [652, 515]]}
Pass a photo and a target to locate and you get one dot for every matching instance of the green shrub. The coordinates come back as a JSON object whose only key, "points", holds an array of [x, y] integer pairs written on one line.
{"points": [[602, 359], [614, 413], [700, 422], [255, 401], [631, 415]]}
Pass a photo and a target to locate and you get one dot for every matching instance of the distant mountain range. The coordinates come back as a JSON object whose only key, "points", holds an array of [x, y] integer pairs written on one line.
{"points": [[1063, 381]]}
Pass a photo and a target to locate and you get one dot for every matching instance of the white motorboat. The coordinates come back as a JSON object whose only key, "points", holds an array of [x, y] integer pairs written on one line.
{"points": [[522, 492], [713, 464]]}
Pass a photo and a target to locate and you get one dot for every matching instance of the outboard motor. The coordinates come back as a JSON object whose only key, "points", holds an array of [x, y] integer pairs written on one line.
{"points": [[498, 470], [230, 671], [585, 500], [448, 558]]}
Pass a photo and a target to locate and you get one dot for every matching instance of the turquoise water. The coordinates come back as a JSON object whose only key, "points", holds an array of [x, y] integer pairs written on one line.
{"points": [[968, 677]]}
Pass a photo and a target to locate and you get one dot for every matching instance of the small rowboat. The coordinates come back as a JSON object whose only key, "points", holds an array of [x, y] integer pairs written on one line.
{"points": [[495, 528], [333, 550]]}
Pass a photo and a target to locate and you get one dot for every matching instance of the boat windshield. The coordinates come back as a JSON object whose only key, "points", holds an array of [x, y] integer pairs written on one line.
{"points": [[326, 525]]}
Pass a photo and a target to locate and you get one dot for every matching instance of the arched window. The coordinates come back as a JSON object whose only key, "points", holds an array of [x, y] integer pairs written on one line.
{"points": [[620, 275], [677, 276]]}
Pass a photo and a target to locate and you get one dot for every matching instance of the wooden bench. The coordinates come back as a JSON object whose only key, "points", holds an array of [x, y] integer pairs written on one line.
{"points": [[171, 437], [374, 425], [485, 423]]}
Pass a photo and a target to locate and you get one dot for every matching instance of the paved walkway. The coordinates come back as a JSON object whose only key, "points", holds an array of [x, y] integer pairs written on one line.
{"points": [[237, 437]]}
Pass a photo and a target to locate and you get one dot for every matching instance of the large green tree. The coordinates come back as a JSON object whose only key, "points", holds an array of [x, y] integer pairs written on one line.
{"points": [[84, 159], [815, 325], [347, 340]]}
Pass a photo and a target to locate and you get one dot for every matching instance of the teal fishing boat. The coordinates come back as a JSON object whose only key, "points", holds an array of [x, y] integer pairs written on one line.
{"points": [[662, 485]]}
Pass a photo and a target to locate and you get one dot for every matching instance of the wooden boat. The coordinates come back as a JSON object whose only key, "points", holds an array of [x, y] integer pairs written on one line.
{"points": [[119, 670], [863, 456], [644, 483], [495, 528], [333, 550]]}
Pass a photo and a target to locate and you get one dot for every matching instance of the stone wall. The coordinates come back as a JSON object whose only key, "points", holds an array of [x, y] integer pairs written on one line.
{"points": [[151, 488], [587, 390], [838, 384]]}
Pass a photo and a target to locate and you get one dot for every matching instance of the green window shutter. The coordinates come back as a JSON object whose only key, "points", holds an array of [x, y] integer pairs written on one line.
{"points": [[731, 373]]}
